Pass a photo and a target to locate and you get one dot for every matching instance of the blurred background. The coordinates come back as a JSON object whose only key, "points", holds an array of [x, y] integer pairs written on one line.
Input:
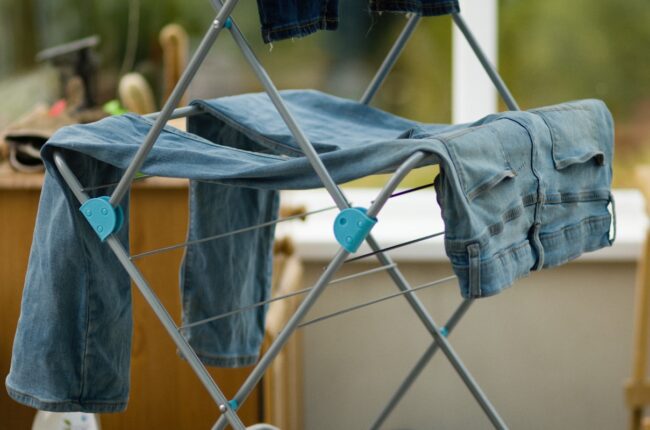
{"points": [[548, 52], [552, 353]]}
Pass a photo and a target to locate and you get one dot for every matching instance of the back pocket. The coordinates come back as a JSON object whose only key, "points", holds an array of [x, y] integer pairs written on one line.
{"points": [[479, 160], [582, 137]]}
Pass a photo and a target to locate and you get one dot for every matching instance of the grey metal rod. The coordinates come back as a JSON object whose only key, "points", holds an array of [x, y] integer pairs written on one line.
{"points": [[304, 307], [390, 59], [282, 297], [180, 112], [419, 366], [186, 350], [417, 305], [296, 131], [399, 245], [444, 345], [489, 67], [230, 233], [342, 203], [257, 373], [112, 184], [385, 193], [70, 178], [188, 74], [375, 301], [168, 323]]}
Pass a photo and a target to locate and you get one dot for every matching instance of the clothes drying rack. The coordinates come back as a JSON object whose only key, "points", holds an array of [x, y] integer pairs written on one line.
{"points": [[439, 334]]}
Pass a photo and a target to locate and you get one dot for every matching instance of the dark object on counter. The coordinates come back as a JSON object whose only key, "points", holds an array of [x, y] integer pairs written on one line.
{"points": [[25, 137], [76, 59]]}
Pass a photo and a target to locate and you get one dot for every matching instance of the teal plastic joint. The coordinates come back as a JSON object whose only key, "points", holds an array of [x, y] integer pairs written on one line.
{"points": [[228, 23], [351, 228], [233, 404], [444, 332], [102, 217]]}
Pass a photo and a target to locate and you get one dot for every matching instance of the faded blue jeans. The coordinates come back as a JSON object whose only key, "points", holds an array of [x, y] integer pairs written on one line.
{"points": [[518, 190], [282, 19]]}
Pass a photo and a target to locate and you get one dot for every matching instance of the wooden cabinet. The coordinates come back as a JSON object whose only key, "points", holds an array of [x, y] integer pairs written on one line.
{"points": [[165, 393]]}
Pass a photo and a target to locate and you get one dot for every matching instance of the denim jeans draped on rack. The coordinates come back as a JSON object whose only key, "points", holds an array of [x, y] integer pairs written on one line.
{"points": [[519, 191], [282, 19]]}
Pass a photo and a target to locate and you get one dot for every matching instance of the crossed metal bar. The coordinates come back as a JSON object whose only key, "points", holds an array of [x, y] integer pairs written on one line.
{"points": [[228, 408]]}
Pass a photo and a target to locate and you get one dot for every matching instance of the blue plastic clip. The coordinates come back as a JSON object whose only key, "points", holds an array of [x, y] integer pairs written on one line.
{"points": [[351, 227], [444, 332], [228, 23], [102, 217], [233, 404]]}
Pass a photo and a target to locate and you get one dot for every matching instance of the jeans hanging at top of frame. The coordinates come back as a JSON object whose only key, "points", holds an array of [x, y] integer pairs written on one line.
{"points": [[282, 19]]}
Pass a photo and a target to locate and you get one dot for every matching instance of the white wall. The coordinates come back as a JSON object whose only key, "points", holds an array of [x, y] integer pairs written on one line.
{"points": [[551, 352]]}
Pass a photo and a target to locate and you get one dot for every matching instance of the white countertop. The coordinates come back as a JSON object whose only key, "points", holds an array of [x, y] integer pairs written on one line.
{"points": [[417, 214]]}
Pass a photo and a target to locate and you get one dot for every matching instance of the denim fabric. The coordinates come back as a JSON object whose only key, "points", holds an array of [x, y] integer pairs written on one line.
{"points": [[221, 275], [519, 191], [70, 351], [526, 191], [282, 19]]}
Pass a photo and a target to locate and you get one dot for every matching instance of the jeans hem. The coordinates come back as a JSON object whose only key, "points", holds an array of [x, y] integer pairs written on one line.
{"points": [[407, 6], [273, 34], [226, 361], [101, 406]]}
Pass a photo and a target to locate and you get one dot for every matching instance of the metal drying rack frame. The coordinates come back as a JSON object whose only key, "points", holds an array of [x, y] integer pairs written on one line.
{"points": [[228, 408]]}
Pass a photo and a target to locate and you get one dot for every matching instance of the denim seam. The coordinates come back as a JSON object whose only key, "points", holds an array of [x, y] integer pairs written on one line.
{"points": [[540, 197], [568, 107], [474, 268], [488, 185], [187, 276], [501, 255], [82, 382], [509, 215], [555, 143], [207, 142], [63, 405], [589, 222], [186, 258], [226, 360], [459, 245], [209, 110], [592, 225], [579, 197], [447, 142]]}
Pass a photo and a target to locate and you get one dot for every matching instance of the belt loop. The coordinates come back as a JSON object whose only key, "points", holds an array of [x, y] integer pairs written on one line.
{"points": [[537, 245], [612, 236], [474, 253]]}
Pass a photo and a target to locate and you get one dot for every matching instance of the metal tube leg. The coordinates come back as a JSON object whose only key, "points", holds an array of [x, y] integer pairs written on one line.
{"points": [[257, 373], [390, 59], [444, 345], [166, 112], [489, 68], [341, 202], [228, 413], [304, 307], [287, 117], [419, 366]]}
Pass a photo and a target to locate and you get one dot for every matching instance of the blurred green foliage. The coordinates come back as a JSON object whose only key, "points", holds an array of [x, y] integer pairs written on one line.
{"points": [[557, 50]]}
